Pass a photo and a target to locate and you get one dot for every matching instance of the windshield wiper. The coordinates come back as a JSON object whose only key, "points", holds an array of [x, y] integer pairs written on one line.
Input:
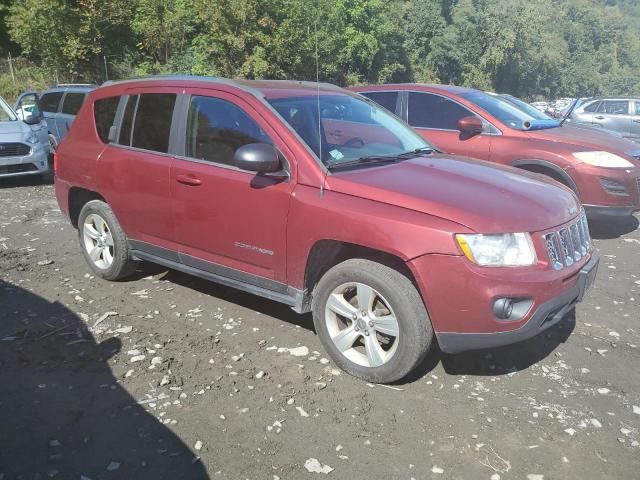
{"points": [[380, 159], [373, 159]]}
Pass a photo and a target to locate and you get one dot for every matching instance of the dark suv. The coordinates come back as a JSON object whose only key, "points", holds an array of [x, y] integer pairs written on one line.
{"points": [[313, 196]]}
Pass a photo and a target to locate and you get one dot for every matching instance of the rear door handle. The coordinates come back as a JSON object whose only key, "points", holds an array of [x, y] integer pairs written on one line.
{"points": [[599, 117], [188, 180], [636, 121]]}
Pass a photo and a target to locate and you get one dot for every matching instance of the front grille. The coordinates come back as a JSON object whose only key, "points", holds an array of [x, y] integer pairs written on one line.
{"points": [[14, 149], [19, 168], [568, 244]]}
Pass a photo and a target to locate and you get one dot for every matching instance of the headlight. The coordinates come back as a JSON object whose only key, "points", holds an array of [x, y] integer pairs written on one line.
{"points": [[505, 250], [603, 159], [32, 139]]}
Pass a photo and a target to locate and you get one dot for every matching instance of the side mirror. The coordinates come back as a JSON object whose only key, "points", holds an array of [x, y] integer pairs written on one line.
{"points": [[470, 125], [32, 119], [257, 157]]}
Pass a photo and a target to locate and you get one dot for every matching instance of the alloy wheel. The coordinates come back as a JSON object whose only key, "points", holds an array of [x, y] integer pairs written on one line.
{"points": [[98, 241], [362, 324]]}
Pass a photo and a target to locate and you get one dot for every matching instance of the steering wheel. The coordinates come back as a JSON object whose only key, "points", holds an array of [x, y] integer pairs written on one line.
{"points": [[355, 142]]}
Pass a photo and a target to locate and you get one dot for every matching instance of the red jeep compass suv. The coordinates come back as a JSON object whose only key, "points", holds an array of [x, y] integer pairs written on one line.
{"points": [[314, 196], [603, 170]]}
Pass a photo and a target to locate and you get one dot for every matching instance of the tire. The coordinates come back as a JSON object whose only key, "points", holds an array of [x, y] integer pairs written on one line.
{"points": [[99, 228], [393, 297], [53, 143]]}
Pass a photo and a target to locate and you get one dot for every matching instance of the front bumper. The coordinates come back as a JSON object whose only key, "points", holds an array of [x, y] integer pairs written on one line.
{"points": [[35, 163], [545, 316], [460, 297], [595, 197]]}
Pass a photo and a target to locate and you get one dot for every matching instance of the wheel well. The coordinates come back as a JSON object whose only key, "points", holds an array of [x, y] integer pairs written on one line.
{"points": [[325, 254], [549, 172], [78, 197]]}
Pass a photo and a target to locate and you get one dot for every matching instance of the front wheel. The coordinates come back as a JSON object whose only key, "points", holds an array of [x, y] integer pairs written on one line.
{"points": [[371, 320]]}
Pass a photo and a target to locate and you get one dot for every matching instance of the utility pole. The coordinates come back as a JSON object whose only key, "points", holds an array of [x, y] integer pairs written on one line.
{"points": [[106, 68], [13, 76]]}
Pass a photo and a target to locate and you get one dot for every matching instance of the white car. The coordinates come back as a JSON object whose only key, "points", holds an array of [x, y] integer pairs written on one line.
{"points": [[24, 144]]}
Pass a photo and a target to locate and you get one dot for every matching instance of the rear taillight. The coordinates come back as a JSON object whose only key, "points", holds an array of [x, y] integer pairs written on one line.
{"points": [[55, 163]]}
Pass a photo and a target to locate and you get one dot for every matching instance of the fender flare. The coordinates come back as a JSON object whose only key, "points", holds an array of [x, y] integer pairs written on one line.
{"points": [[549, 166]]}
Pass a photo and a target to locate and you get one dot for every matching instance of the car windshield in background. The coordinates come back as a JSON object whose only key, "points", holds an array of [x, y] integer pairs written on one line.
{"points": [[349, 129], [6, 114], [505, 111], [526, 107]]}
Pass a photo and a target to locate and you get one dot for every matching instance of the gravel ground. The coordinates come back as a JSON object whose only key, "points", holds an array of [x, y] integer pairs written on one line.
{"points": [[168, 377]]}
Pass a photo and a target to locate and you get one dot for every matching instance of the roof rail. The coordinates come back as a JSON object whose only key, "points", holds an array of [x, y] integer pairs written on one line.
{"points": [[76, 85]]}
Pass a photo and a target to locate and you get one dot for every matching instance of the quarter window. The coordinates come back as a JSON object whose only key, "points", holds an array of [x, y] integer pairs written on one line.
{"points": [[72, 103], [153, 121], [104, 113], [637, 107], [217, 128], [49, 102], [433, 111], [388, 100]]}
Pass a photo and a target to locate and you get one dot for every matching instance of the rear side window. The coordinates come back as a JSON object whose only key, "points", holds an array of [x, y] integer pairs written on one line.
{"points": [[49, 102], [104, 113], [127, 121], [637, 107], [72, 103], [433, 111], [217, 128], [592, 107], [153, 121], [614, 107], [387, 99]]}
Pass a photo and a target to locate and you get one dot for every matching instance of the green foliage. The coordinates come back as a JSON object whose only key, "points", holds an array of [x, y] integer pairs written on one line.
{"points": [[547, 47]]}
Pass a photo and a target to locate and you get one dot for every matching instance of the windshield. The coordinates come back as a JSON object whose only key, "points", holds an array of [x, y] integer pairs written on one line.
{"points": [[6, 113], [350, 128], [504, 110], [526, 107]]}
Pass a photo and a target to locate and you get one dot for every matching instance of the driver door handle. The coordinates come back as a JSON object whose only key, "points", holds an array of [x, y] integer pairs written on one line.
{"points": [[188, 180], [636, 121], [599, 117]]}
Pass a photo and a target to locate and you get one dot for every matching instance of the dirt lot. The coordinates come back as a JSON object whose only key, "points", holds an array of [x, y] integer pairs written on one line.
{"points": [[169, 377]]}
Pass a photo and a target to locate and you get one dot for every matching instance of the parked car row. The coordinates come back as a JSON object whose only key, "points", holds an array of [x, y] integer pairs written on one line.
{"points": [[604, 171], [30, 133], [320, 198]]}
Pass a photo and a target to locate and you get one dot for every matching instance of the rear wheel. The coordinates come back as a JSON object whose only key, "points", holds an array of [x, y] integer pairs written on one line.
{"points": [[371, 320], [103, 242]]}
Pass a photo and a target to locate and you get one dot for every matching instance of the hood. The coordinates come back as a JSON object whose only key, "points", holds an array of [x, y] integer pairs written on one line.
{"points": [[481, 196], [13, 131], [588, 138]]}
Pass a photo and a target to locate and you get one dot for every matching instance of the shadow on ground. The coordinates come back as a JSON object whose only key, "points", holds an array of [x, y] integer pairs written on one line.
{"points": [[62, 412], [497, 361], [511, 358], [603, 228]]}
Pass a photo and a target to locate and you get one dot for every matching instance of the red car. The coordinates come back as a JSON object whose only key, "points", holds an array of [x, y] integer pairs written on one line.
{"points": [[603, 170], [315, 197]]}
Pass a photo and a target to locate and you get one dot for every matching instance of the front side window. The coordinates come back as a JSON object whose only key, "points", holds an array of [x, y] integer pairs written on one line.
{"points": [[72, 103], [152, 123], [387, 99], [346, 128], [614, 107], [49, 102], [434, 111], [216, 128], [527, 108], [637, 107], [104, 113], [592, 107]]}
